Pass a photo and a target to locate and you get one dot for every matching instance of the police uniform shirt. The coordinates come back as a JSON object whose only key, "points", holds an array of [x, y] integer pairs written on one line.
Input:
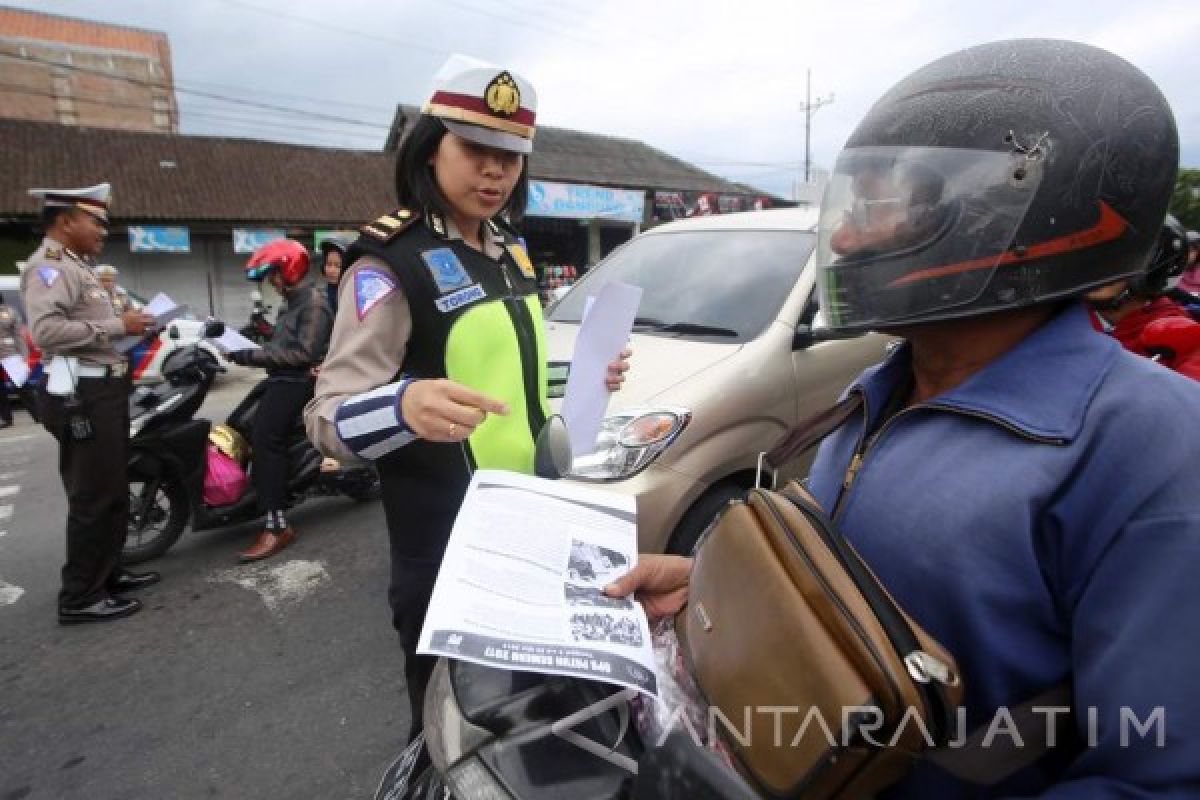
{"points": [[365, 354], [69, 311], [11, 343]]}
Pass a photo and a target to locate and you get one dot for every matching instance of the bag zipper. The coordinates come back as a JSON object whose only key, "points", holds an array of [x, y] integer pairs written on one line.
{"points": [[923, 668]]}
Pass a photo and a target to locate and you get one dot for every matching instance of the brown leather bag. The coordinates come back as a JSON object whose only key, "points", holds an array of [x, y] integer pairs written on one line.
{"points": [[824, 687]]}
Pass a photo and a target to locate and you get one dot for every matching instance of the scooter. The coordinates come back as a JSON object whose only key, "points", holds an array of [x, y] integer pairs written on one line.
{"points": [[512, 735], [259, 329], [168, 458]]}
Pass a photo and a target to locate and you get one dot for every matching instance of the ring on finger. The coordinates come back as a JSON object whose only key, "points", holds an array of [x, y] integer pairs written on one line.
{"points": [[452, 430]]}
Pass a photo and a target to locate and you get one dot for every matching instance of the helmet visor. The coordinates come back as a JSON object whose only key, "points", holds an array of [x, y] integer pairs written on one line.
{"points": [[910, 233], [259, 272]]}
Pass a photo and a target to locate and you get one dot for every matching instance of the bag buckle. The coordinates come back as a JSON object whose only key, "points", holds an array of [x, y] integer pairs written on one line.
{"points": [[924, 668], [758, 472]]}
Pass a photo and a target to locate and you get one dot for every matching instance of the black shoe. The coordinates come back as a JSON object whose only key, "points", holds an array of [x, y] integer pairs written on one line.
{"points": [[126, 581], [5, 423], [100, 611]]}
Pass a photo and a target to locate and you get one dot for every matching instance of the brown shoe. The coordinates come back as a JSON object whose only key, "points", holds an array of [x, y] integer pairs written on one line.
{"points": [[269, 543]]}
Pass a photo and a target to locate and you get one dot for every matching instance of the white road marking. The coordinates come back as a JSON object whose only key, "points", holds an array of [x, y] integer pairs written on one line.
{"points": [[9, 491], [9, 594], [5, 512], [10, 476], [278, 584]]}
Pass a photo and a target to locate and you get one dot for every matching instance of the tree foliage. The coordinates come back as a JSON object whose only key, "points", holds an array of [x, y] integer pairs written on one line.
{"points": [[1185, 200]]}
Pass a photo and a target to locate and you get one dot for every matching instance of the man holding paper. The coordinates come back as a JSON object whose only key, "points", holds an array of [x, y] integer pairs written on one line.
{"points": [[86, 400]]}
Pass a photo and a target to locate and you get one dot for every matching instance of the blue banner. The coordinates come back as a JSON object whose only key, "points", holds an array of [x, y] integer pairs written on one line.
{"points": [[146, 239], [576, 201], [247, 240]]}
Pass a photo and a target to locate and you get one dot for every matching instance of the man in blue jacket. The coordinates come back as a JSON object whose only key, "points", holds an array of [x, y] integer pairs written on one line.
{"points": [[1020, 485]]}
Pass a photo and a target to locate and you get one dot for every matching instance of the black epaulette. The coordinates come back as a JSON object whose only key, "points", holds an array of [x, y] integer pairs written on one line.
{"points": [[390, 225]]}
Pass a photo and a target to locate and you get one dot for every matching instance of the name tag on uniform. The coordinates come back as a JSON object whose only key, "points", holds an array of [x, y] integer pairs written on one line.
{"points": [[462, 297], [445, 269]]}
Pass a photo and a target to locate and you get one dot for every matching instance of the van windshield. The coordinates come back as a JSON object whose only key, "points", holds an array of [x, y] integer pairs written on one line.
{"points": [[712, 285]]}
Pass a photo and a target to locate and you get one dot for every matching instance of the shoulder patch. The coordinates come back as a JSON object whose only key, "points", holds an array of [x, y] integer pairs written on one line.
{"points": [[371, 287], [390, 225], [53, 253], [48, 275], [446, 270]]}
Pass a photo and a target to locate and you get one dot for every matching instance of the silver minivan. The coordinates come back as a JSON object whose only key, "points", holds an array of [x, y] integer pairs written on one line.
{"points": [[724, 363]]}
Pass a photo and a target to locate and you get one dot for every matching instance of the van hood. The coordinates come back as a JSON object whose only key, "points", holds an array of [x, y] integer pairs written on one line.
{"points": [[658, 363]]}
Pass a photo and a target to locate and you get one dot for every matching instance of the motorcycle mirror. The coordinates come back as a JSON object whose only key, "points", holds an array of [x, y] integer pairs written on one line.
{"points": [[173, 332], [213, 328], [552, 451]]}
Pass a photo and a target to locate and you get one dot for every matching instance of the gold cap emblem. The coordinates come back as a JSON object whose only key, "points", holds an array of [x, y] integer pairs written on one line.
{"points": [[502, 95]]}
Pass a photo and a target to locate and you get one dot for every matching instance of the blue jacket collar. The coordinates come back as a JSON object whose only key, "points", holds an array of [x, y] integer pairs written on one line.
{"points": [[1042, 387]]}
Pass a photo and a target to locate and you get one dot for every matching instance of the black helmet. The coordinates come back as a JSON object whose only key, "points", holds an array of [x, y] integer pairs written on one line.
{"points": [[1168, 260], [1001, 176]]}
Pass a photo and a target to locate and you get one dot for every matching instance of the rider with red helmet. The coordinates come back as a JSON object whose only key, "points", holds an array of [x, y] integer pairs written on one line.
{"points": [[1131, 309], [299, 344]]}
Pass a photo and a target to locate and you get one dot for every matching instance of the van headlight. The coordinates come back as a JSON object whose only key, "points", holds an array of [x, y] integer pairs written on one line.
{"points": [[629, 441]]}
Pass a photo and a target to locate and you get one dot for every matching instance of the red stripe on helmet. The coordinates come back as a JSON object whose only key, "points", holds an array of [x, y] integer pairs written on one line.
{"points": [[1110, 226]]}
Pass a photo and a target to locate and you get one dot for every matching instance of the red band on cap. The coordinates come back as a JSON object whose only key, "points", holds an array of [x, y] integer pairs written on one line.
{"points": [[523, 116]]}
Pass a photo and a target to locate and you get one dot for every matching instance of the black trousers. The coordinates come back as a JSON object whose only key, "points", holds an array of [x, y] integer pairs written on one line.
{"points": [[5, 406], [94, 477], [277, 416]]}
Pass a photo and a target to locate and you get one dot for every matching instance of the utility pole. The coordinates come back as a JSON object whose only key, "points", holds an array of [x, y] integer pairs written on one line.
{"points": [[809, 108]]}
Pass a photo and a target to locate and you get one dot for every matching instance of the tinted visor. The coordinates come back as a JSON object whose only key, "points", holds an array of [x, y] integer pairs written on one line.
{"points": [[909, 232]]}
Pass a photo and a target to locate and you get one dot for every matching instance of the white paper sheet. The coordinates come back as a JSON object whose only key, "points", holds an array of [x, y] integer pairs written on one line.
{"points": [[603, 334], [231, 340], [61, 375], [163, 309], [521, 584], [17, 370]]}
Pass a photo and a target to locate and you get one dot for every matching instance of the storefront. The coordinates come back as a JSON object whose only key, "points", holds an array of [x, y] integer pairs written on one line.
{"points": [[568, 227]]}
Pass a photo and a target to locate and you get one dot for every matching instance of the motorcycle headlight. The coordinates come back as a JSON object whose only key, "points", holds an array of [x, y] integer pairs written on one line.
{"points": [[629, 441], [448, 734]]}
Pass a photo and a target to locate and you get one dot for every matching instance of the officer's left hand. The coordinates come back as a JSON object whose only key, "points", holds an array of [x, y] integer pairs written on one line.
{"points": [[617, 370]]}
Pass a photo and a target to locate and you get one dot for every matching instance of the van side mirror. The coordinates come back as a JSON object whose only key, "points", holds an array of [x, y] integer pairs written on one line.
{"points": [[173, 332], [803, 337]]}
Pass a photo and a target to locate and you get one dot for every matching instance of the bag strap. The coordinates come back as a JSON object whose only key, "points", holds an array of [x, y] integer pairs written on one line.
{"points": [[811, 431], [1013, 747]]}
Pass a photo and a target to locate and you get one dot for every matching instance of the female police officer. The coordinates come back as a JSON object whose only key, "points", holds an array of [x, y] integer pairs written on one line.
{"points": [[438, 363]]}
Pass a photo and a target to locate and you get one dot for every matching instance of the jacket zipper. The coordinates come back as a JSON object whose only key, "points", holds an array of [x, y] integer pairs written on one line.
{"points": [[522, 322], [899, 632]]}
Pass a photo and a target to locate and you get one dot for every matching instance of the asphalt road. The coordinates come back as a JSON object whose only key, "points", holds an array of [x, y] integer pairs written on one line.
{"points": [[276, 680]]}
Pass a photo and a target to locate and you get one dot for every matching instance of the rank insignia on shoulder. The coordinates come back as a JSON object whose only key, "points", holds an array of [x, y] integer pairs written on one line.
{"points": [[446, 270], [48, 275], [371, 287], [522, 258], [53, 253], [389, 226]]}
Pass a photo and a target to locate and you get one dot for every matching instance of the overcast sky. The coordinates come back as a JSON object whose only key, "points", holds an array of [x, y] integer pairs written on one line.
{"points": [[716, 82]]}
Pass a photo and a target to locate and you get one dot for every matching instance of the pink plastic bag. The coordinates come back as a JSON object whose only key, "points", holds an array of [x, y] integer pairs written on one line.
{"points": [[224, 479]]}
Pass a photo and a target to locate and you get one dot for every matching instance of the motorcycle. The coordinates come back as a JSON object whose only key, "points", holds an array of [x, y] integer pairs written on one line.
{"points": [[259, 329], [515, 735], [168, 456], [493, 733]]}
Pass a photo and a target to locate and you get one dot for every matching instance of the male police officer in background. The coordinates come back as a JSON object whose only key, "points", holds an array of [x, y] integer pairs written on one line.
{"points": [[85, 406], [11, 344]]}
